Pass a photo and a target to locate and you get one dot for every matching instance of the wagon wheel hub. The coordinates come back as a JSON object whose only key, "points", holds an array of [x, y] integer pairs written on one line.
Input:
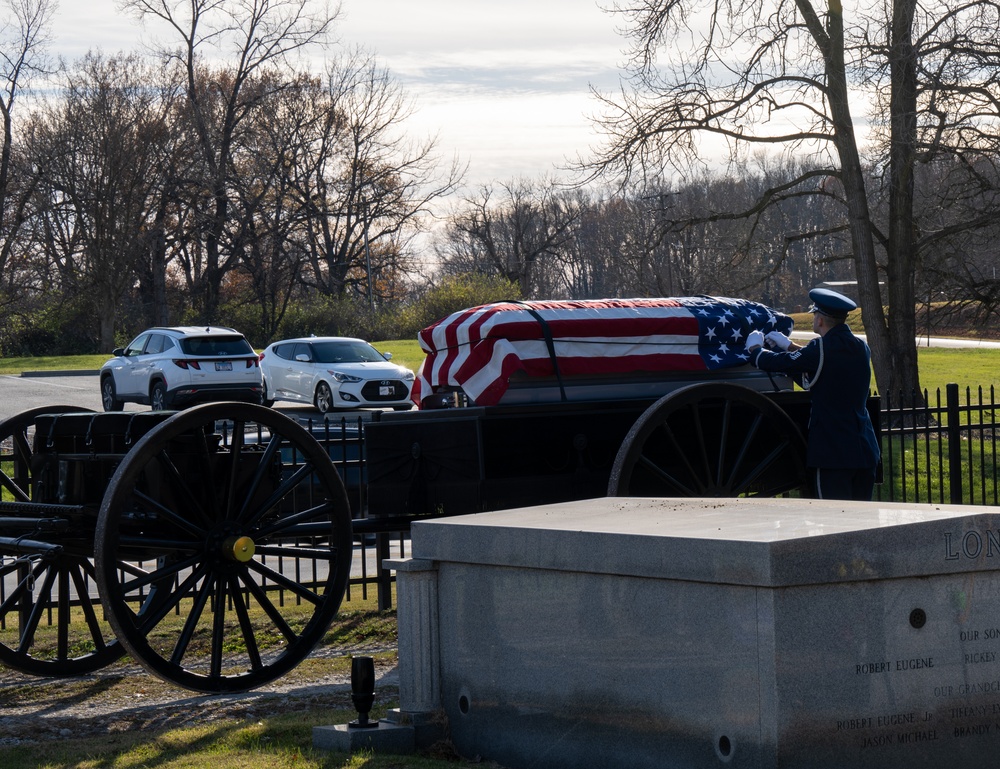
{"points": [[240, 549]]}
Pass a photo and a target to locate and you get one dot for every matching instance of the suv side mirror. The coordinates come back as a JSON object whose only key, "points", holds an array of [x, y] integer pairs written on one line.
{"points": [[387, 355], [118, 352]]}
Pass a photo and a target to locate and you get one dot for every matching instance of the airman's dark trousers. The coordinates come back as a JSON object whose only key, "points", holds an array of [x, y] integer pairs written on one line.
{"points": [[845, 483]]}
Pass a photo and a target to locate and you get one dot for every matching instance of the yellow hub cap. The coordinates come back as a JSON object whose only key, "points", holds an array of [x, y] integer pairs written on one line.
{"points": [[239, 549]]}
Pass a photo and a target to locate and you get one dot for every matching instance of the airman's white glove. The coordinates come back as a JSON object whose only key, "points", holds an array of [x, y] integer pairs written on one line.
{"points": [[777, 341], [755, 339]]}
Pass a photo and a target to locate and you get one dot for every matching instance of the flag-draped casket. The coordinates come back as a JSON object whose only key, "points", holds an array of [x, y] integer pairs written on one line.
{"points": [[480, 350]]}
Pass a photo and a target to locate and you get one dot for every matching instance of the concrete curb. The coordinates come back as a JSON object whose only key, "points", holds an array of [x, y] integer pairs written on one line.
{"points": [[75, 372]]}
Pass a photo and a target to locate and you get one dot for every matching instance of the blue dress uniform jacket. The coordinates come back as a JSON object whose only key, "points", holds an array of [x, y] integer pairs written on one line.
{"points": [[836, 369]]}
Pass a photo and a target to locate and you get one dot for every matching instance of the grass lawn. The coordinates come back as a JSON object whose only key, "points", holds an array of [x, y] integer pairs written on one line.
{"points": [[970, 367], [281, 742], [284, 741], [280, 738], [405, 352]]}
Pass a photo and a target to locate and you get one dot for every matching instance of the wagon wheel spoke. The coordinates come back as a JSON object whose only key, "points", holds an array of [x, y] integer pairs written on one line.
{"points": [[315, 553], [191, 623], [712, 440], [703, 476], [143, 578], [49, 622], [86, 604], [270, 451], [161, 601], [16, 452], [734, 480], [50, 626], [262, 511], [34, 615], [288, 583], [269, 608], [289, 525], [246, 626], [172, 515], [15, 465], [235, 451], [301, 473], [183, 492], [22, 590], [664, 474], [218, 631], [666, 478]]}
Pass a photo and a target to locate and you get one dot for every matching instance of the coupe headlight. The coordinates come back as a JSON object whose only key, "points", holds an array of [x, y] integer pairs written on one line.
{"points": [[406, 375], [342, 377]]}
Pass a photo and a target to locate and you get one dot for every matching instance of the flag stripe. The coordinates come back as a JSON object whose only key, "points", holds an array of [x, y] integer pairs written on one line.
{"points": [[479, 349]]}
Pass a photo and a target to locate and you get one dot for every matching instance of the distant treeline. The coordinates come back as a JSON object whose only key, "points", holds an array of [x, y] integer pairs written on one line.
{"points": [[138, 194]]}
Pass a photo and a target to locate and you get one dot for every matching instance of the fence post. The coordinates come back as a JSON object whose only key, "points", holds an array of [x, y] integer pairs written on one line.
{"points": [[383, 575], [954, 433]]}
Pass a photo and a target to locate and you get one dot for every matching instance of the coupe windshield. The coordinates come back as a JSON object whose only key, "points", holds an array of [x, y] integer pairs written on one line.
{"points": [[346, 352]]}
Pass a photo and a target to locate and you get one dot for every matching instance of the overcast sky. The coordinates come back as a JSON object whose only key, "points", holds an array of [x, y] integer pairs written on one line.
{"points": [[504, 84]]}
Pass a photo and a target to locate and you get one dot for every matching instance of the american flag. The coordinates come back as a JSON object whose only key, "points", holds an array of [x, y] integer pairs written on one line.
{"points": [[479, 349]]}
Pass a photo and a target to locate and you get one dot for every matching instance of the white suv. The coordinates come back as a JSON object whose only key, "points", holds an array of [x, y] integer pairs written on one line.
{"points": [[180, 366]]}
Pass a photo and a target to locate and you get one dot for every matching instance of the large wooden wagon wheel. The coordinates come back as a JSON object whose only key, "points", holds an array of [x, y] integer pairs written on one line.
{"points": [[51, 622], [237, 534], [710, 440]]}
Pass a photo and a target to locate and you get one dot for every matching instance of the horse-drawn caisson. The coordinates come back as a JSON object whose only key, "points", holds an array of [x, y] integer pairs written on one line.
{"points": [[214, 544]]}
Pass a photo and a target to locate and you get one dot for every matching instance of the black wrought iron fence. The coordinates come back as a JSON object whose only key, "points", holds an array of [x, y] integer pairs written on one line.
{"points": [[375, 540], [940, 449]]}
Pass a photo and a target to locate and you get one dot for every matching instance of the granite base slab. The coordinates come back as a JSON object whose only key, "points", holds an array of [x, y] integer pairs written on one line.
{"points": [[384, 738], [710, 633]]}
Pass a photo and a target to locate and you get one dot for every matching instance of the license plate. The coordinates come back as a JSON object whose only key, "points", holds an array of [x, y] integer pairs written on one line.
{"points": [[224, 365], [386, 390]]}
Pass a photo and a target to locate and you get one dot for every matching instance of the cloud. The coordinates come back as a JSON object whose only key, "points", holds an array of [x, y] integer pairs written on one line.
{"points": [[434, 26], [503, 75], [505, 85]]}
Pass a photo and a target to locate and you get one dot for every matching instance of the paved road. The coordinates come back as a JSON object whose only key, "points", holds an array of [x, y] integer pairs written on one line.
{"points": [[20, 393], [923, 341]]}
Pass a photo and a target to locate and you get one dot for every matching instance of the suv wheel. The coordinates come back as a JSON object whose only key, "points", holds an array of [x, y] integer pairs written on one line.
{"points": [[324, 398], [109, 397], [158, 397]]}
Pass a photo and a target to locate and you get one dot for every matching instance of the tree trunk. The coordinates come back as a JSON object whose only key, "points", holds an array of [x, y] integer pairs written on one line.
{"points": [[158, 267], [903, 376], [856, 196], [106, 324]]}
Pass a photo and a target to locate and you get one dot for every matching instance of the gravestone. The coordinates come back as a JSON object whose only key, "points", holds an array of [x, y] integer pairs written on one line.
{"points": [[709, 633]]}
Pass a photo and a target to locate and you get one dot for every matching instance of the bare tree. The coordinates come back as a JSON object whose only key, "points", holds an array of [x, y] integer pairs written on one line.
{"points": [[24, 36], [103, 147], [368, 187], [267, 209], [250, 40], [513, 230], [783, 74]]}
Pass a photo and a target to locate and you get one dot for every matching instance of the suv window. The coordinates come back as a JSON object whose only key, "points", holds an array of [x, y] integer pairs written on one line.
{"points": [[157, 343], [137, 344], [216, 345]]}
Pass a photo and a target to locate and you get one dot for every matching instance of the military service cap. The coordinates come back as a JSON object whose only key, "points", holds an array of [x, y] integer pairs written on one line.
{"points": [[831, 303]]}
